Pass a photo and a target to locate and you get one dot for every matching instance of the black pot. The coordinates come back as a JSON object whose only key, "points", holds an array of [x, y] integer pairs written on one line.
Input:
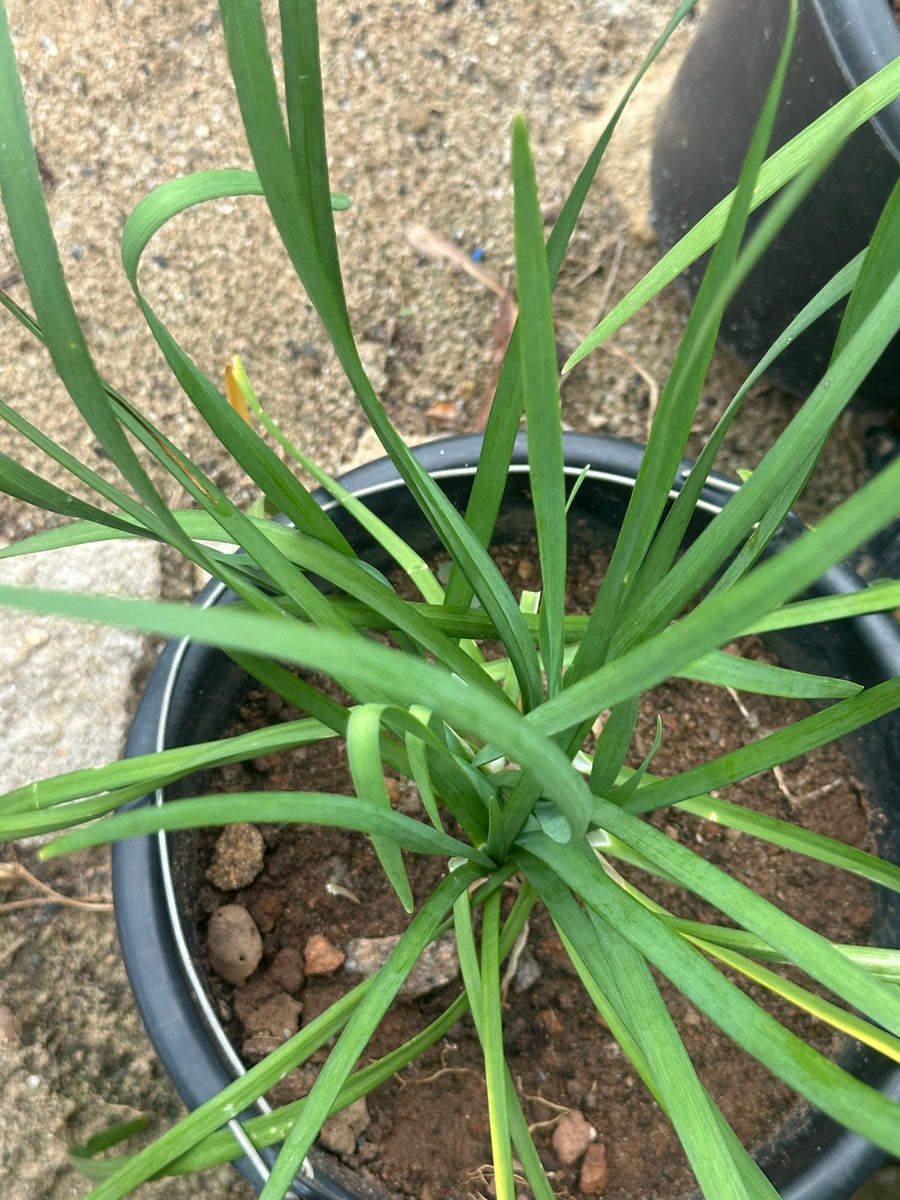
{"points": [[702, 134], [193, 695]]}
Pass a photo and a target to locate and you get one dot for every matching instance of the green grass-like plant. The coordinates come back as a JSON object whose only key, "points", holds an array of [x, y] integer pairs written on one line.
{"points": [[555, 816]]}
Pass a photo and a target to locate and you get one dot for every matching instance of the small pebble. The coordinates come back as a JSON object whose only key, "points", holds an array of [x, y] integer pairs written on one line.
{"points": [[237, 859], [528, 972], [571, 1137], [339, 1133], [321, 957], [436, 966], [233, 943], [594, 1174], [691, 1016], [551, 1020]]}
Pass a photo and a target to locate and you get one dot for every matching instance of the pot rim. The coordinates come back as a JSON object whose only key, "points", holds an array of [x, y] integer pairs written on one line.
{"points": [[848, 1155], [864, 37]]}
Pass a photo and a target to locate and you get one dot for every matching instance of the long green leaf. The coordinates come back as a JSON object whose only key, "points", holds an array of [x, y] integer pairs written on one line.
{"points": [[880, 266], [506, 408], [363, 664], [880, 596], [272, 1127], [32, 236], [716, 621], [258, 460], [800, 945], [313, 808], [137, 513], [364, 756], [492, 1045], [835, 125], [304, 102], [818, 729], [802, 998], [746, 674], [540, 388], [677, 403], [389, 539], [246, 39], [162, 767], [671, 536], [22, 484], [208, 1117]]}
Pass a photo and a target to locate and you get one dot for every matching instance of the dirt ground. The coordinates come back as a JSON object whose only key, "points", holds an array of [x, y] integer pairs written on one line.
{"points": [[125, 94]]}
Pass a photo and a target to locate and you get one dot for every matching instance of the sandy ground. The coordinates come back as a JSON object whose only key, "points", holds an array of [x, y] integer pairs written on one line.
{"points": [[125, 94]]}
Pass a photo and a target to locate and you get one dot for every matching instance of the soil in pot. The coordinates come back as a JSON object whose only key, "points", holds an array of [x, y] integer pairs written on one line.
{"points": [[320, 902]]}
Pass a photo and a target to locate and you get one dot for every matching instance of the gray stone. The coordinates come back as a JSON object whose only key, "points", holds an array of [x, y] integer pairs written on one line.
{"points": [[437, 965], [66, 686]]}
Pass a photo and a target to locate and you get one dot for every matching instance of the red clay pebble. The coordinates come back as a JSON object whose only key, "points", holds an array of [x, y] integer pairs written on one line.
{"points": [[571, 1137], [594, 1175], [321, 957]]}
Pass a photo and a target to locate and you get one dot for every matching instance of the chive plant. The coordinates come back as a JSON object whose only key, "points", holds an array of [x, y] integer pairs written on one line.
{"points": [[564, 810]]}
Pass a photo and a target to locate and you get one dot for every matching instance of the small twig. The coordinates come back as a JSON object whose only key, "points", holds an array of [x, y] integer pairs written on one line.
{"points": [[818, 792], [751, 718], [437, 1075], [753, 721], [815, 794], [783, 787], [335, 889], [432, 245], [614, 271], [503, 328], [10, 950], [561, 1109], [550, 1123], [513, 965], [485, 1173], [618, 242], [17, 871]]}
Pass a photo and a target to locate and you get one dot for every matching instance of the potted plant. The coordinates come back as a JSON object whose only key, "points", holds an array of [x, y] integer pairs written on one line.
{"points": [[524, 765], [703, 130]]}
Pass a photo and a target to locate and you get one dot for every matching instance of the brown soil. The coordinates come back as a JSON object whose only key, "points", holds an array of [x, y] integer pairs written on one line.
{"points": [[427, 1134]]}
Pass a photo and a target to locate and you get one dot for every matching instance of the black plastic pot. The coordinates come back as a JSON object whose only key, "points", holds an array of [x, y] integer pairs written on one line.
{"points": [[704, 129], [195, 690]]}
